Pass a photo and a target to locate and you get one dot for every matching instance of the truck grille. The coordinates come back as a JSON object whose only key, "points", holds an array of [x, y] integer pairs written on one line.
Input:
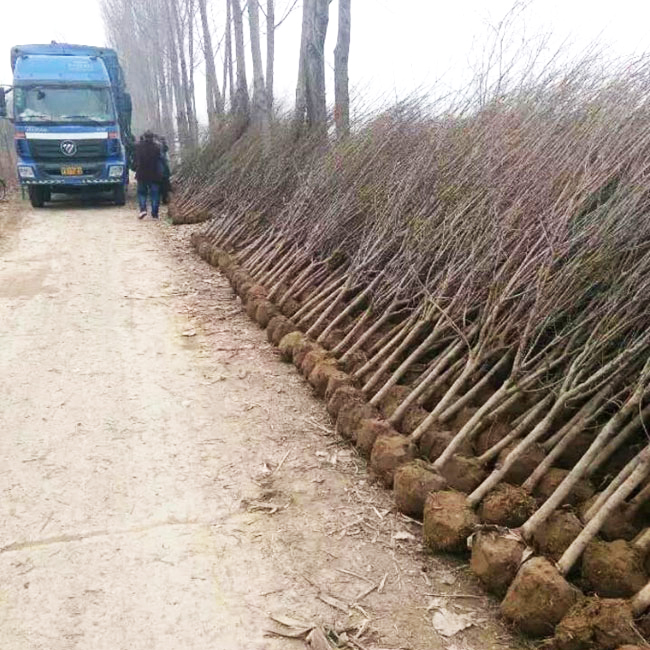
{"points": [[51, 150]]}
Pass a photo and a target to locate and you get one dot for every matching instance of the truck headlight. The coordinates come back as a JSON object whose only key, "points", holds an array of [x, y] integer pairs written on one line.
{"points": [[25, 171], [115, 171]]}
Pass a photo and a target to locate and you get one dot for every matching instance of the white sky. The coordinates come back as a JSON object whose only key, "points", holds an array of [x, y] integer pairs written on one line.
{"points": [[397, 45]]}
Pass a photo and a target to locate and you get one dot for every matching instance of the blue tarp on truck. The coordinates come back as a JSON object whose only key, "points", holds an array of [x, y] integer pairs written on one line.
{"points": [[72, 120]]}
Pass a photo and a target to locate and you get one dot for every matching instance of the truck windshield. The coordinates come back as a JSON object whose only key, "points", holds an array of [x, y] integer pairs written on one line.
{"points": [[63, 104]]}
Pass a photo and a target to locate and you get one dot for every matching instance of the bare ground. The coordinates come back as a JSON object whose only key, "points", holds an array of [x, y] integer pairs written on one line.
{"points": [[169, 483]]}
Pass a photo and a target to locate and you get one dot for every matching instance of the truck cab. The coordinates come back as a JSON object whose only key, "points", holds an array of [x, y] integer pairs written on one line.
{"points": [[71, 118]]}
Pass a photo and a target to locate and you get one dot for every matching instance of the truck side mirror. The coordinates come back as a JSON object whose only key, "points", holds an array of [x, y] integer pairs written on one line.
{"points": [[3, 103]]}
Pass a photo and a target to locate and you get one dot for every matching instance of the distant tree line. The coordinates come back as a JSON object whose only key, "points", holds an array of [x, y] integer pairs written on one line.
{"points": [[161, 43]]}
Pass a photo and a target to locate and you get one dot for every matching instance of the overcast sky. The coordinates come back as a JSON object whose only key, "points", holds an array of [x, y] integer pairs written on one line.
{"points": [[397, 45]]}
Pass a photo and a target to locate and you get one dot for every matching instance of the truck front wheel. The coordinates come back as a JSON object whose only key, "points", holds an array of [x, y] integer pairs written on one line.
{"points": [[37, 196], [119, 195]]}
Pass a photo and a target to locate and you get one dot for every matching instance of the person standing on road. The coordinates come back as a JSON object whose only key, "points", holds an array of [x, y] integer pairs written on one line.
{"points": [[165, 185], [148, 173]]}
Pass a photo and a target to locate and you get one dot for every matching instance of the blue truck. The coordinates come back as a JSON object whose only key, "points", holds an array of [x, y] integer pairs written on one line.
{"points": [[72, 121]]}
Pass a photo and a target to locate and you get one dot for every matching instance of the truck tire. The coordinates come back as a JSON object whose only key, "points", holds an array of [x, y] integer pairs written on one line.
{"points": [[119, 195], [36, 197]]}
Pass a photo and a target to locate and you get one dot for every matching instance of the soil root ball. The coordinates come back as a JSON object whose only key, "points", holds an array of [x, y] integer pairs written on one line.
{"points": [[555, 535], [225, 261], [286, 327], [273, 323], [290, 307], [613, 569], [495, 559], [596, 624], [336, 381], [252, 303], [354, 361], [240, 277], [257, 291], [243, 289], [234, 275], [301, 350], [643, 625], [278, 328], [463, 417], [413, 483], [204, 249], [230, 272], [575, 451], [580, 492], [367, 433], [463, 474], [214, 256], [412, 419], [388, 453], [435, 440], [538, 598], [305, 325], [321, 375], [507, 505], [617, 525], [265, 311], [288, 343], [393, 398], [344, 394], [333, 338], [448, 522], [490, 436], [350, 416], [311, 359], [524, 466]]}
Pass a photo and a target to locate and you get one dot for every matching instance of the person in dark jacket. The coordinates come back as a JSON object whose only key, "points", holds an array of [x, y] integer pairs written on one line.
{"points": [[165, 185], [148, 173]]}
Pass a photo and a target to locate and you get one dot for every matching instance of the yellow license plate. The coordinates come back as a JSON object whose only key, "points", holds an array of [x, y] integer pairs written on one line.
{"points": [[71, 171]]}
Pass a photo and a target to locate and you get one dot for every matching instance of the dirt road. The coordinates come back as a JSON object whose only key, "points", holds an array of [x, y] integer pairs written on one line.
{"points": [[167, 483]]}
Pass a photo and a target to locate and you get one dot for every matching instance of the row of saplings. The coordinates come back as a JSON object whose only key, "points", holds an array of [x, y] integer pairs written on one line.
{"points": [[537, 597]]}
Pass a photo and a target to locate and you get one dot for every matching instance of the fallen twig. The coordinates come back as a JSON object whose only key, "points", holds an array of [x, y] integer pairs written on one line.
{"points": [[281, 462], [454, 596], [356, 575]]}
